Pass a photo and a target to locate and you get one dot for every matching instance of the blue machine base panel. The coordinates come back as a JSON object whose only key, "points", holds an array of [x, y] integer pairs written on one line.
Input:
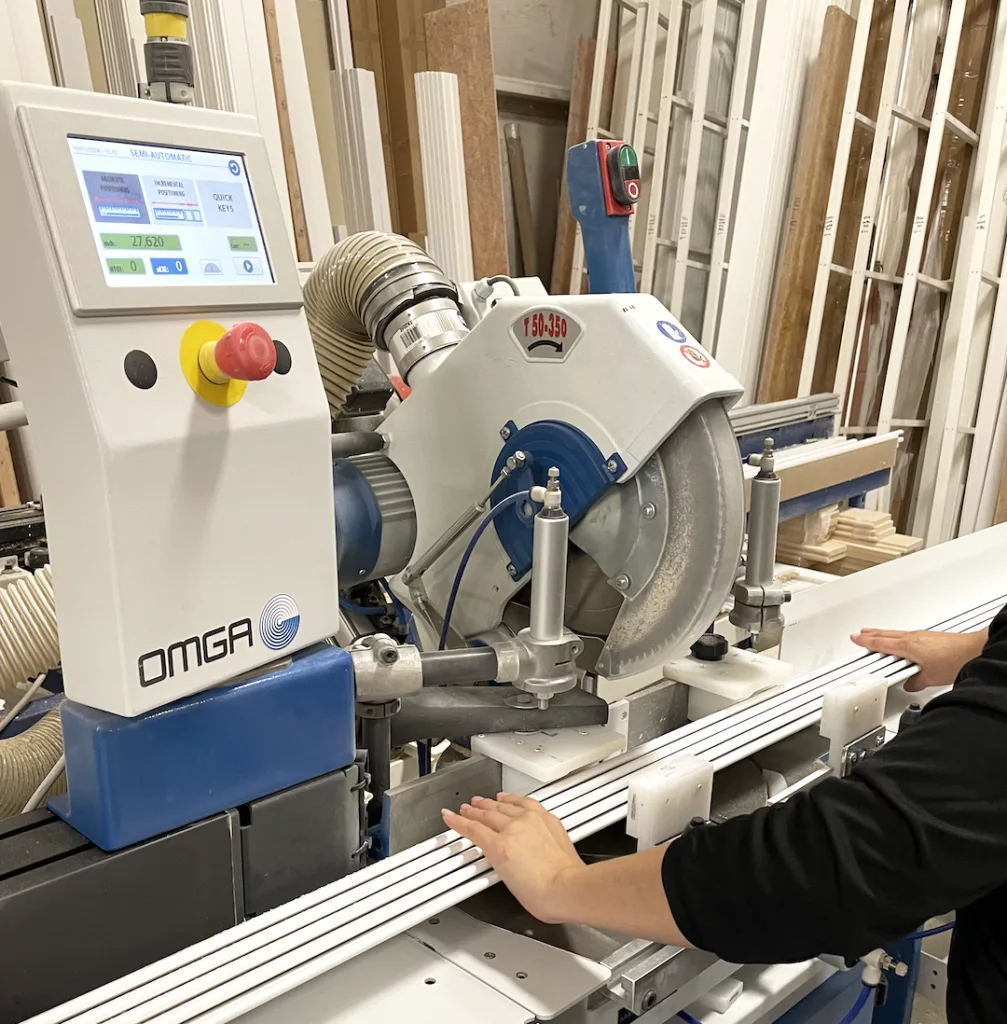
{"points": [[131, 779]]}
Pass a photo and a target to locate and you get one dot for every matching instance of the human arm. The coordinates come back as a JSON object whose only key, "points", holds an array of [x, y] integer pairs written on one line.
{"points": [[918, 829], [533, 855], [940, 656]]}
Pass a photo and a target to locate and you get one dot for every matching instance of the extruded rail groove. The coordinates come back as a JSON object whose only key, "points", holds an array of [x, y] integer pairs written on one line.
{"points": [[230, 974]]}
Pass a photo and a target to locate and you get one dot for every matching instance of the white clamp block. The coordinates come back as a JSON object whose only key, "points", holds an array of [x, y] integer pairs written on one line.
{"points": [[851, 709], [715, 685], [663, 800]]}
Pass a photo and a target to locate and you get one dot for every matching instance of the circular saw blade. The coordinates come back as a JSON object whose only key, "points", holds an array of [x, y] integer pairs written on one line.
{"points": [[679, 527]]}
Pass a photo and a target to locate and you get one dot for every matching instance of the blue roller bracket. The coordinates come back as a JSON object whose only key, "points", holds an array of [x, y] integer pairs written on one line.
{"points": [[603, 178]]}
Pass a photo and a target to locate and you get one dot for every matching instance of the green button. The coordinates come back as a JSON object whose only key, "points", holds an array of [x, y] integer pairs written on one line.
{"points": [[126, 266], [243, 244], [165, 243]]}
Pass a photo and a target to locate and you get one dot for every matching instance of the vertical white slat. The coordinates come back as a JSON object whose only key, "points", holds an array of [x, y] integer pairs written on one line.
{"points": [[445, 191], [69, 51], [921, 219], [118, 24], [244, 31], [729, 172], [696, 129], [935, 475], [641, 119], [365, 130], [835, 202], [990, 440], [300, 113], [602, 36], [214, 81], [655, 200], [349, 168], [23, 56], [872, 194]]}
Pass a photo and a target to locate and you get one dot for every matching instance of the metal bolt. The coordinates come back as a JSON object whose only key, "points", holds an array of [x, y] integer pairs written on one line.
{"points": [[511, 569], [621, 581], [389, 655], [649, 510], [611, 465], [361, 572], [649, 1000], [879, 740], [490, 956], [519, 457], [505, 433]]}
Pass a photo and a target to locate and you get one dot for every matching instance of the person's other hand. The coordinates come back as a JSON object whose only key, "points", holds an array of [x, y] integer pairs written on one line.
{"points": [[527, 847], [940, 656]]}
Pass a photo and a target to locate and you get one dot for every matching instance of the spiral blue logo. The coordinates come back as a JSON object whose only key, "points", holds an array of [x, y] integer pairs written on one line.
{"points": [[279, 621]]}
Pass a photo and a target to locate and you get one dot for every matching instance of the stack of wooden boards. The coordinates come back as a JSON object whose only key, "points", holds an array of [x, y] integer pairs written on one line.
{"points": [[842, 541]]}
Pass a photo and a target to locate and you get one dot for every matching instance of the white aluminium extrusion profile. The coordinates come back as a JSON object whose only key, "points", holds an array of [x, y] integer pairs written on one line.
{"points": [[655, 200], [835, 201], [696, 129], [729, 173], [219, 979], [633, 78], [921, 220], [872, 195]]}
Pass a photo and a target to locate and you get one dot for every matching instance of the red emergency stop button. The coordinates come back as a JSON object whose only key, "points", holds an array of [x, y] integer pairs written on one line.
{"points": [[245, 352]]}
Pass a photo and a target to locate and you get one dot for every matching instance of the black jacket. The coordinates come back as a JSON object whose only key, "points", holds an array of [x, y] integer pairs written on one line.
{"points": [[917, 830]]}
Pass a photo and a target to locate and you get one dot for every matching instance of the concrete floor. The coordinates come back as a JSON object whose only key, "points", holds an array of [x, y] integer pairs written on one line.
{"points": [[926, 1011]]}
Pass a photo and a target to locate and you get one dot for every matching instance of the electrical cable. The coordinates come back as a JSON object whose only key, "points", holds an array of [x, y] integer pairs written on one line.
{"points": [[504, 279], [23, 702], [511, 499], [865, 993], [359, 609], [45, 785], [688, 1017]]}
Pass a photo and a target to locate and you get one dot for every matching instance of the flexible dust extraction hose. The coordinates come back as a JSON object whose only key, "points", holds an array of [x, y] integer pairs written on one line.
{"points": [[29, 641], [25, 760], [354, 293]]}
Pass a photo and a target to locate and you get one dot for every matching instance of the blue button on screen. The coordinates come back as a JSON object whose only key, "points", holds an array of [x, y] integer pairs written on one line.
{"points": [[160, 265], [234, 167]]}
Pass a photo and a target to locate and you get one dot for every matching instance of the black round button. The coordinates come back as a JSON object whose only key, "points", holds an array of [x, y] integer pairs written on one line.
{"points": [[141, 370], [282, 357], [710, 647]]}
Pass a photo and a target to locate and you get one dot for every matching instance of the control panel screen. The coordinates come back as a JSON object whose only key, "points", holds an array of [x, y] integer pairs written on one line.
{"points": [[166, 216]]}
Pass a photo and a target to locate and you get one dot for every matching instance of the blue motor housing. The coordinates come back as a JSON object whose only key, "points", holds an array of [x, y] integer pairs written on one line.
{"points": [[585, 475], [134, 778]]}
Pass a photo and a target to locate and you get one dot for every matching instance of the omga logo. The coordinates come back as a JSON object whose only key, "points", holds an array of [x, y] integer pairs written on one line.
{"points": [[279, 621], [193, 652]]}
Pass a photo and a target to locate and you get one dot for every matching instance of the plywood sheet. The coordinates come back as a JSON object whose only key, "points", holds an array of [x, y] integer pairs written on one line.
{"points": [[458, 41]]}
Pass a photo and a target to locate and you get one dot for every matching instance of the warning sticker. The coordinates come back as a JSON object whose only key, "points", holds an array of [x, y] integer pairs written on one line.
{"points": [[672, 331], [546, 334], [696, 356]]}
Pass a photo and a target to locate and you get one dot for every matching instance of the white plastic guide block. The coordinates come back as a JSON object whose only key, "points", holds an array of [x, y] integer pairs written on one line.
{"points": [[665, 799], [715, 685], [849, 710]]}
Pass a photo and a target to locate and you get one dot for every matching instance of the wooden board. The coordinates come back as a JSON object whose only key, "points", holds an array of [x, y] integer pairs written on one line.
{"points": [[404, 53], [458, 41], [365, 32], [301, 243], [798, 262], [521, 194], [9, 492]]}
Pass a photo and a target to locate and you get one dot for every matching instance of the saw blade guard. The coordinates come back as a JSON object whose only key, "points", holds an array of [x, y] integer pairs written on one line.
{"points": [[669, 542]]}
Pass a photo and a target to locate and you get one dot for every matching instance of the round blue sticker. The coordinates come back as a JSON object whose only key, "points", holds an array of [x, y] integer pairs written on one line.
{"points": [[672, 331]]}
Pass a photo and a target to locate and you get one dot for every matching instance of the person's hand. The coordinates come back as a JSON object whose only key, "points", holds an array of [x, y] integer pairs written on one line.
{"points": [[527, 847], [940, 656]]}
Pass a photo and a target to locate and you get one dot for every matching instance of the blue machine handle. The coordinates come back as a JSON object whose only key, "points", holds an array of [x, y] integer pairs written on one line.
{"points": [[607, 251]]}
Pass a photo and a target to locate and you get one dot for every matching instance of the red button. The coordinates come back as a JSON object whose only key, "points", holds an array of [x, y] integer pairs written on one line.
{"points": [[246, 352]]}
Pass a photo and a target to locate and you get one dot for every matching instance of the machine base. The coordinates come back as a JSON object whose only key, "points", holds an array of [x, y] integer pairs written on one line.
{"points": [[133, 778], [83, 918]]}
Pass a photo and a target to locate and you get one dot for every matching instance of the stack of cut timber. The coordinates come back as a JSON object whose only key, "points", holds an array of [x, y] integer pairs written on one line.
{"points": [[806, 540], [870, 539]]}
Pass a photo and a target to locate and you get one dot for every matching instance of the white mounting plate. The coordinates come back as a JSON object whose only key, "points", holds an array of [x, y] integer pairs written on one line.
{"points": [[388, 985], [550, 754], [554, 979]]}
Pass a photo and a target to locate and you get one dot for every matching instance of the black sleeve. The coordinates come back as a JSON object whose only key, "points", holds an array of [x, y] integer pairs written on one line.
{"points": [[918, 829]]}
